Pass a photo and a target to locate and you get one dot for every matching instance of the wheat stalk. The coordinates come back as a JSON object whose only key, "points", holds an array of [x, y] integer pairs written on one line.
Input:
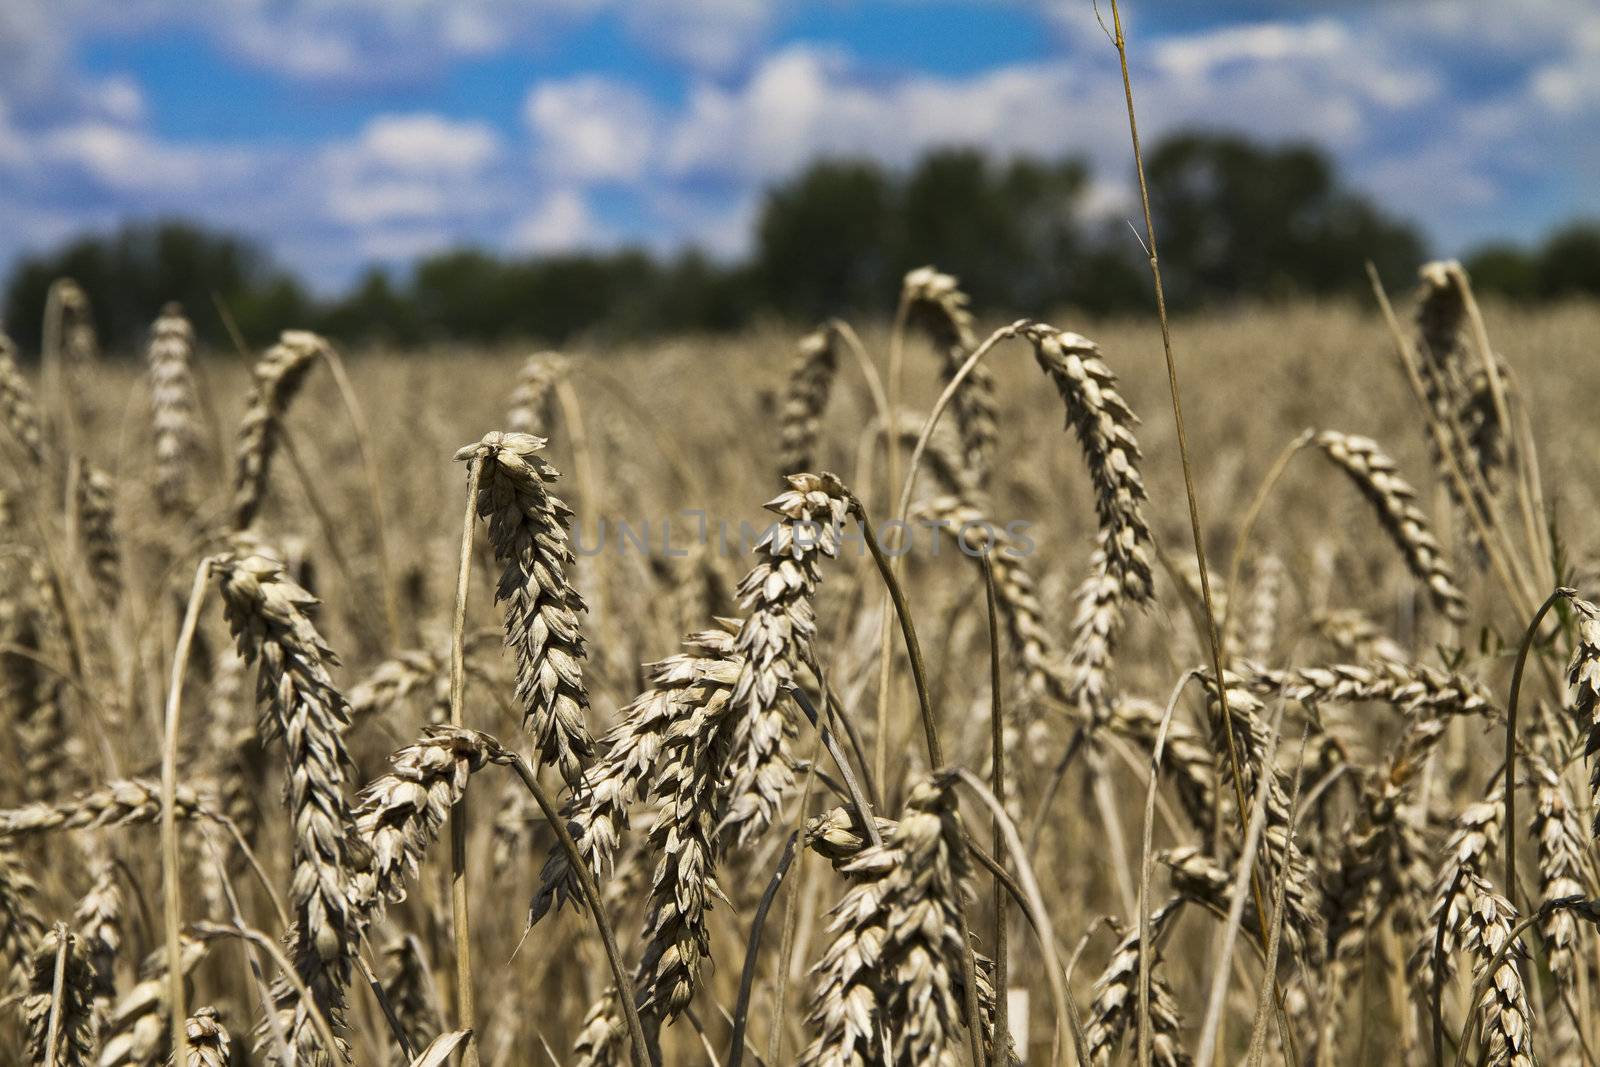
{"points": [[172, 407], [1376, 476], [528, 532], [278, 376]]}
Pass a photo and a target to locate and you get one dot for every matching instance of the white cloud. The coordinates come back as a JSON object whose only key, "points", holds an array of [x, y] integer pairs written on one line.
{"points": [[707, 35], [425, 144], [591, 129], [563, 222]]}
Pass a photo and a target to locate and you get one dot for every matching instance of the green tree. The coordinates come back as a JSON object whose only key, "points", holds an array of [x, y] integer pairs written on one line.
{"points": [[1237, 218], [823, 241], [1569, 261]]}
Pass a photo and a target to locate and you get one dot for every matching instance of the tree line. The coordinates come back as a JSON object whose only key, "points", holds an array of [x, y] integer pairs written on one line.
{"points": [[1237, 220]]}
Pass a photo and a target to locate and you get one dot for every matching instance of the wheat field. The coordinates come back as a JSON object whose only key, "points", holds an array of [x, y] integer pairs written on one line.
{"points": [[709, 701]]}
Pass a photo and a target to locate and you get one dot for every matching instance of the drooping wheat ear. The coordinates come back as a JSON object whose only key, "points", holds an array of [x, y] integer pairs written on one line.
{"points": [[528, 531], [209, 1043], [1583, 681], [1266, 602], [633, 754], [97, 516], [137, 1033], [279, 374], [1375, 475], [74, 1009], [121, 803], [935, 303], [603, 1041], [20, 925], [297, 700], [887, 989], [777, 634], [1032, 639], [1186, 758], [396, 678], [1505, 1011], [1353, 634], [410, 989], [98, 919], [1105, 427], [1115, 1010], [532, 401], [172, 406], [1412, 688], [401, 813], [1561, 847], [17, 409], [1470, 847], [805, 398]]}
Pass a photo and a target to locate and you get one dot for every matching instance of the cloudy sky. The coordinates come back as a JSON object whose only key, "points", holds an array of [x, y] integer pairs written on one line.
{"points": [[344, 132]]}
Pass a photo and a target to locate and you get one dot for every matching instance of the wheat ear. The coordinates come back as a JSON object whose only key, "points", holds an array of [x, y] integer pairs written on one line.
{"points": [[209, 1043], [528, 532], [935, 304], [1113, 1012], [410, 989], [532, 402], [279, 374], [1377, 478], [136, 1033], [17, 408], [271, 622], [20, 924], [805, 398], [172, 407], [97, 517], [58, 1011], [1583, 680]]}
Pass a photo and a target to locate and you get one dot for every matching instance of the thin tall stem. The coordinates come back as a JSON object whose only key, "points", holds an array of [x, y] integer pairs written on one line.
{"points": [[172, 889], [1510, 822], [997, 745], [465, 1010]]}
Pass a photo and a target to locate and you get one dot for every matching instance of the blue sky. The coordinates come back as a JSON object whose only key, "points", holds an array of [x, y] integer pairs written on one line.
{"points": [[346, 132]]}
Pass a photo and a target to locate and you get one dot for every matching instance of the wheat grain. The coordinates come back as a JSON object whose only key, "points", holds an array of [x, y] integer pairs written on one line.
{"points": [[1376, 476], [209, 1043], [528, 531]]}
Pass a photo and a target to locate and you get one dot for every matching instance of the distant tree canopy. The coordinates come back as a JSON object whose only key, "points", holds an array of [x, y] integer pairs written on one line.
{"points": [[1236, 220]]}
